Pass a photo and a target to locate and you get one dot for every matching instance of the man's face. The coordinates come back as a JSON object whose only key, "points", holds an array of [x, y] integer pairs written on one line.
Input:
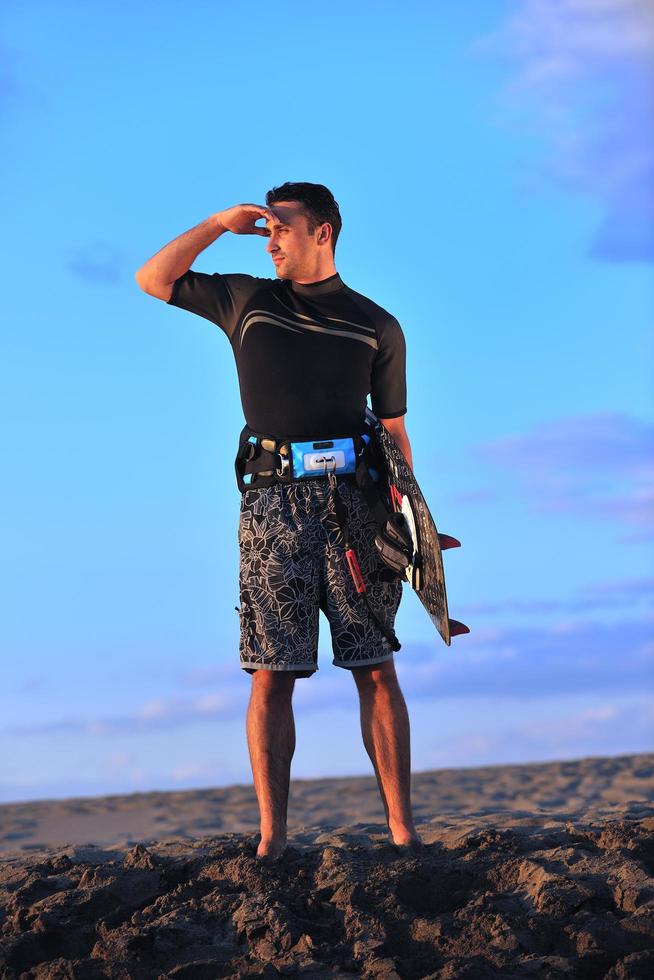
{"points": [[292, 248]]}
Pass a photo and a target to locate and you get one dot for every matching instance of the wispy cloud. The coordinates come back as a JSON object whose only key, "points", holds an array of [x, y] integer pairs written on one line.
{"points": [[97, 262], [583, 73], [618, 594], [599, 441], [629, 589], [598, 465], [562, 658], [156, 714], [17, 95], [9, 88], [604, 729], [32, 683]]}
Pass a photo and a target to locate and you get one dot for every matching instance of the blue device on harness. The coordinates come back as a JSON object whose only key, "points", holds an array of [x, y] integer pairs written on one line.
{"points": [[310, 459]]}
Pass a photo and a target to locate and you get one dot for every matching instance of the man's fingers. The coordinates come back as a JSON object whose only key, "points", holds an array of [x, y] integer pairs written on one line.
{"points": [[268, 215], [259, 229], [260, 212], [263, 211]]}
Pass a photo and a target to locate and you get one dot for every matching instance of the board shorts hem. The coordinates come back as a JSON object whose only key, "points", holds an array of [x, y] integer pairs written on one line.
{"points": [[304, 668], [363, 663]]}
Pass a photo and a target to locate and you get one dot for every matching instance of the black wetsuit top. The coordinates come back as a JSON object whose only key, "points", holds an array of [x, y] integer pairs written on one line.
{"points": [[307, 354]]}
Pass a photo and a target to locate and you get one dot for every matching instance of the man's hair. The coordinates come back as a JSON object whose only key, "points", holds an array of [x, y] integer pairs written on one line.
{"points": [[318, 203]]}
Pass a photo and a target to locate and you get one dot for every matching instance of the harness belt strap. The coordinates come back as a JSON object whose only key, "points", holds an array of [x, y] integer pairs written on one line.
{"points": [[262, 460], [252, 458]]}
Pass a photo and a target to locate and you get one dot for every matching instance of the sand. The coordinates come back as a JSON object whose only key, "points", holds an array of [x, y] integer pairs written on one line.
{"points": [[542, 870]]}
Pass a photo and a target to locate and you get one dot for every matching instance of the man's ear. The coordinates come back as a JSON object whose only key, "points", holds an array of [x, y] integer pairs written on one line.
{"points": [[325, 232]]}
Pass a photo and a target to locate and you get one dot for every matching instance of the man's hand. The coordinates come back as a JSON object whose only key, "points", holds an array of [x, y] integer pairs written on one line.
{"points": [[241, 219], [397, 430]]}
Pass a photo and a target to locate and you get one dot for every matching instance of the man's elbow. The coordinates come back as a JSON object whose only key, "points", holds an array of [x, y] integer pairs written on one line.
{"points": [[144, 280], [394, 426], [141, 280], [159, 290]]}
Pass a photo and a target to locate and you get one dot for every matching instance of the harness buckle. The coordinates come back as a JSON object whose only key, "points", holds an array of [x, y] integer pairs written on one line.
{"points": [[324, 461], [331, 474], [284, 469]]}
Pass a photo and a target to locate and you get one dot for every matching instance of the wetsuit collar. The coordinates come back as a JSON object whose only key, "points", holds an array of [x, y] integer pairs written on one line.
{"points": [[318, 288]]}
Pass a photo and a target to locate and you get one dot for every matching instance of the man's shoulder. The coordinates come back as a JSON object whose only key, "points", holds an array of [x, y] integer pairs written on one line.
{"points": [[244, 288], [244, 279], [220, 279], [381, 317]]}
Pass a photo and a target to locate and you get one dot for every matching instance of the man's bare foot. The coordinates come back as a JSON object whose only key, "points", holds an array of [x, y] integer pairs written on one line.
{"points": [[407, 839], [271, 848]]}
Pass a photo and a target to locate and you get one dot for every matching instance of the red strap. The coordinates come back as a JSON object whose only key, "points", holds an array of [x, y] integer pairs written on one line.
{"points": [[355, 571], [396, 497]]}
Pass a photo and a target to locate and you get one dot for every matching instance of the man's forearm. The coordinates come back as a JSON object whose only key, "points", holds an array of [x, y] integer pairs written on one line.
{"points": [[177, 257], [402, 440]]}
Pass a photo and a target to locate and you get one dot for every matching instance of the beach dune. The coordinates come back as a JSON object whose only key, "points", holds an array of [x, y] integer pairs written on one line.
{"points": [[540, 870]]}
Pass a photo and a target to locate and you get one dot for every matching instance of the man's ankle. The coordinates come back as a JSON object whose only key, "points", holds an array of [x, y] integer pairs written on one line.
{"points": [[273, 831], [402, 827]]}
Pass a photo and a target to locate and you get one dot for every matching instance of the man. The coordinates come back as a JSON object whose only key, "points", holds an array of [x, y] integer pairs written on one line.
{"points": [[308, 350]]}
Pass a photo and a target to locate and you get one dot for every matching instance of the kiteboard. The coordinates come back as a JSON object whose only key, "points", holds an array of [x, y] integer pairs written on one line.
{"points": [[424, 573]]}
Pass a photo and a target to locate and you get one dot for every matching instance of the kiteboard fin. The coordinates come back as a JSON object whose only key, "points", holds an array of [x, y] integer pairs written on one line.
{"points": [[447, 541], [457, 628]]}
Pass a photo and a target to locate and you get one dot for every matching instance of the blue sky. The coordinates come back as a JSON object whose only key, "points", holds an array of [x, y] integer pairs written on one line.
{"points": [[493, 167]]}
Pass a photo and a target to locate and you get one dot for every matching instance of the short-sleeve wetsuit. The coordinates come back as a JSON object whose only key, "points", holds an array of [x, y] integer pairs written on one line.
{"points": [[307, 355]]}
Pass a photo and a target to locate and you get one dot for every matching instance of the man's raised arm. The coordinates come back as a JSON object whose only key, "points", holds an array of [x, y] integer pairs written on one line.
{"points": [[159, 273]]}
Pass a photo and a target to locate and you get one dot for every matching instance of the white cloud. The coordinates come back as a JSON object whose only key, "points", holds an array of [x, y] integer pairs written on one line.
{"points": [[583, 72]]}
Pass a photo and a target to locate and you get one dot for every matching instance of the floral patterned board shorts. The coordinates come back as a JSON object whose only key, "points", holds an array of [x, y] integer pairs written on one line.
{"points": [[292, 564]]}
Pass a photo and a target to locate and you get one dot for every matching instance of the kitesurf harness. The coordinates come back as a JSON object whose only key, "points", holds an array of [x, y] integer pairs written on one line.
{"points": [[264, 460]]}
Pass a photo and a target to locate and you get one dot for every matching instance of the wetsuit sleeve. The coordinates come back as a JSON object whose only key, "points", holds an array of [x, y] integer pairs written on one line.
{"points": [[217, 297], [388, 383]]}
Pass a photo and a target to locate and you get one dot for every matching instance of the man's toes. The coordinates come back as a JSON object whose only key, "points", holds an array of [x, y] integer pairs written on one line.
{"points": [[411, 847], [273, 858]]}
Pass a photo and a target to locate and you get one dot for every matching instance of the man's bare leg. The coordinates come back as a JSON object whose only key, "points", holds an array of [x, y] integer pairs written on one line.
{"points": [[386, 736], [271, 743]]}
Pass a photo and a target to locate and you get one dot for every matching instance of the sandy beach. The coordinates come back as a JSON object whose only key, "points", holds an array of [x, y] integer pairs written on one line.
{"points": [[539, 870]]}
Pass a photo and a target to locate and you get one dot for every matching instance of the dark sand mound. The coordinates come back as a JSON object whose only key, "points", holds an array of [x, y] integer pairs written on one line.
{"points": [[505, 894]]}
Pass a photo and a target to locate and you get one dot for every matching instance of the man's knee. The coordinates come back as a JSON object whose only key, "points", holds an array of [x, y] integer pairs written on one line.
{"points": [[375, 676], [273, 684]]}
